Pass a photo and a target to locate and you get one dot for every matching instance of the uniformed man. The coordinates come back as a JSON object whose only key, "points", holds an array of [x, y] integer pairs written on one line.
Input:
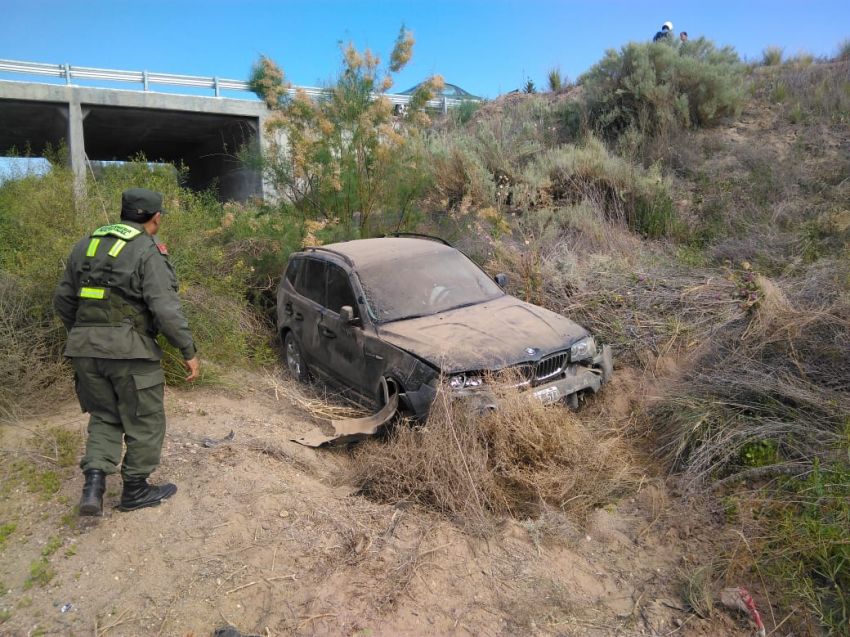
{"points": [[118, 292]]}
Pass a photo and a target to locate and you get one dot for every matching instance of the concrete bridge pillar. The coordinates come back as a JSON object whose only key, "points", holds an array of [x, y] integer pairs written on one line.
{"points": [[77, 144]]}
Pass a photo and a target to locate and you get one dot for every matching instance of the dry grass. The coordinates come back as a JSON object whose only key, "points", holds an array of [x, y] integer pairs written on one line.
{"points": [[777, 379], [514, 461], [28, 346], [315, 400], [697, 585]]}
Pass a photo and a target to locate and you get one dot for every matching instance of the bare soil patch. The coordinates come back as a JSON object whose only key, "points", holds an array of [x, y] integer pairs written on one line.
{"points": [[262, 536]]}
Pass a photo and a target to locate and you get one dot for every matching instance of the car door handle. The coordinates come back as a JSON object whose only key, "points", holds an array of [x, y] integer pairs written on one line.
{"points": [[327, 333], [374, 356]]}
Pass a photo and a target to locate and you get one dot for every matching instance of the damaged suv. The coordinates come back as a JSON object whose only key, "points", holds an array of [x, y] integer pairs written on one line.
{"points": [[391, 316]]}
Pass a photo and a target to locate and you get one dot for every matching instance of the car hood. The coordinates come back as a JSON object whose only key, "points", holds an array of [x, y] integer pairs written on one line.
{"points": [[487, 336]]}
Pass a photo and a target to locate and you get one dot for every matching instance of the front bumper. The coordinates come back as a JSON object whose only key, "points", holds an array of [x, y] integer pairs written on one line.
{"points": [[575, 378]]}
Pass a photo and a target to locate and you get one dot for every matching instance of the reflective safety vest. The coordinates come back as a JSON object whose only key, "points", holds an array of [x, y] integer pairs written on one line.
{"points": [[104, 276]]}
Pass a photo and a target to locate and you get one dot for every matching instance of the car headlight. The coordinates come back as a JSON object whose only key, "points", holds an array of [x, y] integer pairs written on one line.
{"points": [[463, 381], [583, 349]]}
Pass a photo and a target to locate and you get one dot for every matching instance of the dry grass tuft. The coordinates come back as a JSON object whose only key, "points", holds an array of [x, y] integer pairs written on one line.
{"points": [[515, 461], [697, 584], [29, 343], [315, 400], [770, 389]]}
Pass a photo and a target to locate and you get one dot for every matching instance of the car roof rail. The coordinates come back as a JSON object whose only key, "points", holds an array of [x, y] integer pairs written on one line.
{"points": [[419, 235], [333, 252]]}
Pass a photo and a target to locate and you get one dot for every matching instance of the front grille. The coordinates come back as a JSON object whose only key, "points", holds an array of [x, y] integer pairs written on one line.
{"points": [[550, 366]]}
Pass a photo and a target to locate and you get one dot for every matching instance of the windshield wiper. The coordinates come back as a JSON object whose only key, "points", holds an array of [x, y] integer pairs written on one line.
{"points": [[463, 305], [448, 309], [406, 318]]}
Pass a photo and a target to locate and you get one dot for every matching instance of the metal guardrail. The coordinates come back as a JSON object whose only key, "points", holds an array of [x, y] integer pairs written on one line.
{"points": [[147, 78]]}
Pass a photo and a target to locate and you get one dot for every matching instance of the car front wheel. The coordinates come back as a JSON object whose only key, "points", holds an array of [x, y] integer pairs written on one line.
{"points": [[294, 359]]}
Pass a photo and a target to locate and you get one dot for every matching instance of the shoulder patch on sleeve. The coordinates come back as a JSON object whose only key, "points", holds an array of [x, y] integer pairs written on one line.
{"points": [[162, 249]]}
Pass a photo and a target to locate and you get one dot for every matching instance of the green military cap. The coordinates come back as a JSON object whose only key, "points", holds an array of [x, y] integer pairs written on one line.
{"points": [[140, 203]]}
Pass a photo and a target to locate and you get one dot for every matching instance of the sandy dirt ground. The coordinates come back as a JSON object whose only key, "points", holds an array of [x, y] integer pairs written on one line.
{"points": [[264, 536]]}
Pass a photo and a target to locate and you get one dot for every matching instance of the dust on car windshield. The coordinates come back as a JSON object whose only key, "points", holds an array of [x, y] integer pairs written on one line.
{"points": [[424, 284]]}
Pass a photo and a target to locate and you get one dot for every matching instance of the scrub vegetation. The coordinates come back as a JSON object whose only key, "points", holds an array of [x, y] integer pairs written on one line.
{"points": [[517, 461], [688, 208]]}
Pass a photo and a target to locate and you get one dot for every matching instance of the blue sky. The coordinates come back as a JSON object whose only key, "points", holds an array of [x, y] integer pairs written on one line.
{"points": [[487, 48]]}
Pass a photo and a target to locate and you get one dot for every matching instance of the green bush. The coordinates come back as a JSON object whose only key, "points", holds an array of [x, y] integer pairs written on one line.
{"points": [[556, 82], [479, 164], [622, 192], [772, 56], [464, 111], [806, 547], [647, 90], [459, 175], [227, 258]]}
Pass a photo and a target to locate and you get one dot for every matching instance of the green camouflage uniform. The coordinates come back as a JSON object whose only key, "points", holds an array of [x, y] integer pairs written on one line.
{"points": [[118, 292]]}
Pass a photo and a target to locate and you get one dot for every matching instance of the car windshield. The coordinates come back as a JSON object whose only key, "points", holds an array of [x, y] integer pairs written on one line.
{"points": [[424, 284]]}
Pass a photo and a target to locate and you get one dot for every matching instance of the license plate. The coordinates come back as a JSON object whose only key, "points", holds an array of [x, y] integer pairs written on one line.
{"points": [[548, 394]]}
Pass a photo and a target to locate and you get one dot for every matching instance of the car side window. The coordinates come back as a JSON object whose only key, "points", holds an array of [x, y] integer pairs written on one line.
{"points": [[292, 270], [339, 290], [311, 283]]}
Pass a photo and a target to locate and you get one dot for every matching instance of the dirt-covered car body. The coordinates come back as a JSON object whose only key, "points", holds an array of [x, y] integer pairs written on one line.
{"points": [[410, 310]]}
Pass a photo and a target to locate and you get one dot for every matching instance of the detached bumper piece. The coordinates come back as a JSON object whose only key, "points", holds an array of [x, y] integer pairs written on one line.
{"points": [[351, 429]]}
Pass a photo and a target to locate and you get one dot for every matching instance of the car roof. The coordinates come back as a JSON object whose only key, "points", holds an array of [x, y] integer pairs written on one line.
{"points": [[365, 252]]}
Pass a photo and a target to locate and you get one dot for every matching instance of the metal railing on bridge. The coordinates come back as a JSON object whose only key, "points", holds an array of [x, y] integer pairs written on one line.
{"points": [[148, 78]]}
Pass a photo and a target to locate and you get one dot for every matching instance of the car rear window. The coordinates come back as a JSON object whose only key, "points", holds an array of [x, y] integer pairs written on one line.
{"points": [[312, 281], [292, 270]]}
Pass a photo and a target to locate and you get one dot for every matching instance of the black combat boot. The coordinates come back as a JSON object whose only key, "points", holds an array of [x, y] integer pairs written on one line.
{"points": [[92, 501], [138, 494]]}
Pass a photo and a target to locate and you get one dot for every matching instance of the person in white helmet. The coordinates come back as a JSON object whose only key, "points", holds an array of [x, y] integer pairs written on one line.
{"points": [[666, 33]]}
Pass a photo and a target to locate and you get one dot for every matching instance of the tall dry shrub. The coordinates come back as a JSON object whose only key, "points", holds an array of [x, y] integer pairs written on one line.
{"points": [[764, 413], [514, 461]]}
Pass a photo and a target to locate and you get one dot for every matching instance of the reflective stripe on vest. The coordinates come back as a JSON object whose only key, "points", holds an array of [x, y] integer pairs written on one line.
{"points": [[115, 250], [92, 293], [119, 230], [92, 249]]}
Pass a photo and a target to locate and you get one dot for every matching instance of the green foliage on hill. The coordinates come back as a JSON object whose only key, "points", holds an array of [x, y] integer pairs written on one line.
{"points": [[226, 257], [652, 89]]}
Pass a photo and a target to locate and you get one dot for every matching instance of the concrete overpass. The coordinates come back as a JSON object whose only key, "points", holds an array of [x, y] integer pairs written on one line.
{"points": [[96, 124], [102, 124]]}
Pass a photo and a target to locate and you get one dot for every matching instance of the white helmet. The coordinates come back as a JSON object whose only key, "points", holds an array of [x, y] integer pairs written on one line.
{"points": [[667, 25]]}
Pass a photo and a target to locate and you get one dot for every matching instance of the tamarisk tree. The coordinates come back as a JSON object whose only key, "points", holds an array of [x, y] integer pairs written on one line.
{"points": [[347, 154]]}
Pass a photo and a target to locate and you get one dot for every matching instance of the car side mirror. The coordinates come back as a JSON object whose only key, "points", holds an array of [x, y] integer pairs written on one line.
{"points": [[346, 316], [501, 280]]}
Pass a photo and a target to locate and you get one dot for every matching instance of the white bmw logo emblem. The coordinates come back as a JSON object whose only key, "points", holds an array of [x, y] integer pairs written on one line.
{"points": [[530, 350]]}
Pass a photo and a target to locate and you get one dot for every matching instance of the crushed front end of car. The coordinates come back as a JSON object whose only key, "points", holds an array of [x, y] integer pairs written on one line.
{"points": [[564, 375]]}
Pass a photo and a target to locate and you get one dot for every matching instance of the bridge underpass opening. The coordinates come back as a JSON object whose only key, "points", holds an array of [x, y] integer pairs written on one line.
{"points": [[207, 144], [32, 128], [30, 132]]}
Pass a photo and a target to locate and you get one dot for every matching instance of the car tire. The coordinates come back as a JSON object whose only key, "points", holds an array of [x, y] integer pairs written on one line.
{"points": [[294, 358]]}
